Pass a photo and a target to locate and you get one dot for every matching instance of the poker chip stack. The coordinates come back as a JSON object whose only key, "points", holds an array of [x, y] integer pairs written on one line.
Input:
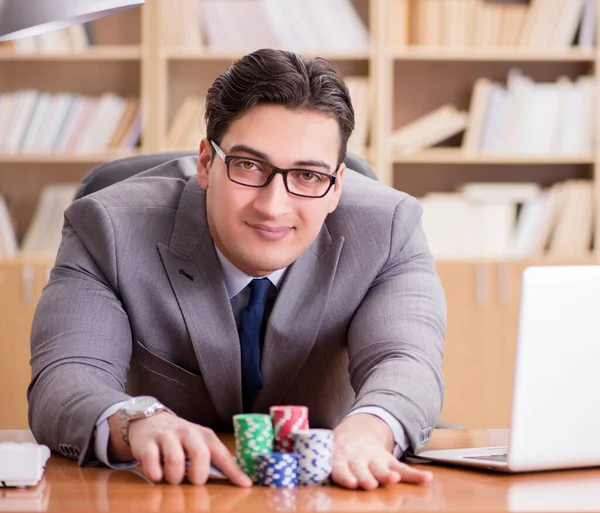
{"points": [[278, 470], [313, 448], [253, 438], [286, 421], [280, 451]]}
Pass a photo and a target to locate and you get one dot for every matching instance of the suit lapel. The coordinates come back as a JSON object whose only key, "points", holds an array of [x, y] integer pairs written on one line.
{"points": [[296, 318], [192, 266]]}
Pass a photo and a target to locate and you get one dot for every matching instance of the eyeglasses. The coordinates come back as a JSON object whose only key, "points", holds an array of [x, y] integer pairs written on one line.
{"points": [[257, 173]]}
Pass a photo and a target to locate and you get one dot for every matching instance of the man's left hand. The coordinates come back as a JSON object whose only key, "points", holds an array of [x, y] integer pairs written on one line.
{"points": [[362, 455]]}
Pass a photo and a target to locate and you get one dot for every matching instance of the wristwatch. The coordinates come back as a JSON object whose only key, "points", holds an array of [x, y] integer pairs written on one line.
{"points": [[139, 408]]}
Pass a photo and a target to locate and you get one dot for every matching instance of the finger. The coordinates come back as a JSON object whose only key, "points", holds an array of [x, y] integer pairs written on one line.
{"points": [[383, 474], [409, 474], [149, 457], [222, 459], [342, 475], [199, 457], [173, 458], [363, 475]]}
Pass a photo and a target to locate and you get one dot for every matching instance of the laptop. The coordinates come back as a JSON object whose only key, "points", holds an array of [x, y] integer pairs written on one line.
{"points": [[555, 412]]}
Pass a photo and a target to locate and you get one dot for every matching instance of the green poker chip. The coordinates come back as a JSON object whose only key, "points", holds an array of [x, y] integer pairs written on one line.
{"points": [[253, 437]]}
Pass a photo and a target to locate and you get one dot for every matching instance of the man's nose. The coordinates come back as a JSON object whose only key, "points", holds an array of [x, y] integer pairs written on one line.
{"points": [[273, 200]]}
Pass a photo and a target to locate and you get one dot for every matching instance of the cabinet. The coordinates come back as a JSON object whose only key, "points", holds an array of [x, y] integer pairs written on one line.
{"points": [[479, 350], [21, 284]]}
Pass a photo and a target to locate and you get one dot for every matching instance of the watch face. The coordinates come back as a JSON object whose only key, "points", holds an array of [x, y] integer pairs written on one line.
{"points": [[140, 404]]}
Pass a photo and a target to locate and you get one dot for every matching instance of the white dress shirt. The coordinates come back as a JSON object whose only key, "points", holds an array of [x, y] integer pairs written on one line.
{"points": [[236, 283]]}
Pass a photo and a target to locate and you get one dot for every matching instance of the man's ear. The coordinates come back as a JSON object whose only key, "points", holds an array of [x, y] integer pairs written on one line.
{"points": [[337, 188], [204, 163]]}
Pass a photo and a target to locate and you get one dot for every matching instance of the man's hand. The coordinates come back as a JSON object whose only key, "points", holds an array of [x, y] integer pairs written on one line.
{"points": [[362, 455], [161, 444]]}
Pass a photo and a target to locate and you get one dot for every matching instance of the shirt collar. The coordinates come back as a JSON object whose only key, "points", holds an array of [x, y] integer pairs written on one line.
{"points": [[237, 280]]}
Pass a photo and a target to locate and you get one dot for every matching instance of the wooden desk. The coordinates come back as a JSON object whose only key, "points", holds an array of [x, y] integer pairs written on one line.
{"points": [[66, 487]]}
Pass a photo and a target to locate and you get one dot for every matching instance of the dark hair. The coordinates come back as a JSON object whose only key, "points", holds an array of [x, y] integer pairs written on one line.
{"points": [[278, 77]]}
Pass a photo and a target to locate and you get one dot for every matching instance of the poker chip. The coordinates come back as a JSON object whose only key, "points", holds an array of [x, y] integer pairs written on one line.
{"points": [[286, 421], [313, 448], [253, 438], [277, 470]]}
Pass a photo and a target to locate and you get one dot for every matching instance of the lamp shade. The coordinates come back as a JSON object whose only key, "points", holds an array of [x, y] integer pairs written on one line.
{"points": [[25, 18]]}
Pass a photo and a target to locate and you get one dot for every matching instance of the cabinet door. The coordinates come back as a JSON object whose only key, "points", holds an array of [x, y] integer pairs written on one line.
{"points": [[503, 351], [470, 296], [479, 352], [20, 287]]}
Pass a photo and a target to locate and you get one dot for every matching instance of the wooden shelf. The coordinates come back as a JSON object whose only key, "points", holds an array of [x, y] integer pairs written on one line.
{"points": [[63, 158], [456, 156], [95, 53], [41, 258], [589, 259], [28, 258], [183, 54], [429, 53]]}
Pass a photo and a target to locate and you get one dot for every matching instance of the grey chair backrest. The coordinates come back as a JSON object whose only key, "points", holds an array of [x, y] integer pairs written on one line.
{"points": [[116, 170]]}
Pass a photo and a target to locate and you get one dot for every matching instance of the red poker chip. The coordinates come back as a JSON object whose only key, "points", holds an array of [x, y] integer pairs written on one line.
{"points": [[286, 421]]}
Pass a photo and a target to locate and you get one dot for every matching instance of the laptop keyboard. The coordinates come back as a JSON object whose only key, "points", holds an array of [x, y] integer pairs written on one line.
{"points": [[493, 457]]}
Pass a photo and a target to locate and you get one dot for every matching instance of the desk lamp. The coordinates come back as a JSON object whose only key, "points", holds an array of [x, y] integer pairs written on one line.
{"points": [[25, 18]]}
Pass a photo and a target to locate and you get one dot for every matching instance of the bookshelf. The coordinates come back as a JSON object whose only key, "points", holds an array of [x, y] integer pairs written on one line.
{"points": [[100, 53], [410, 70], [407, 53], [428, 63], [408, 75], [182, 54], [111, 62], [64, 158], [443, 156], [184, 66]]}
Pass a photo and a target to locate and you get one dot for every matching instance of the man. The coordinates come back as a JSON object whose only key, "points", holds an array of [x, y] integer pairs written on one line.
{"points": [[156, 275]]}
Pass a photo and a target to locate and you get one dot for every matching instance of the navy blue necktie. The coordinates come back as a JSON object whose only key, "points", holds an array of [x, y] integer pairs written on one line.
{"points": [[250, 341]]}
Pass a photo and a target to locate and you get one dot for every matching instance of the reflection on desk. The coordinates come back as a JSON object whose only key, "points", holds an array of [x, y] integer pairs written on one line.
{"points": [[67, 487], [572, 492], [124, 490], [25, 499]]}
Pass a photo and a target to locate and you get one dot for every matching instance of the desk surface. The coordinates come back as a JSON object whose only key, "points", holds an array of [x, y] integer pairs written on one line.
{"points": [[66, 487]]}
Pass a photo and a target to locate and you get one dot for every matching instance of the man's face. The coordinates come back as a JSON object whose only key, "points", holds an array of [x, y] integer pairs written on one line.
{"points": [[261, 230]]}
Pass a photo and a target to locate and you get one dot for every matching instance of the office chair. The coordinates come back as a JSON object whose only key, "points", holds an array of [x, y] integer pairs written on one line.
{"points": [[112, 172]]}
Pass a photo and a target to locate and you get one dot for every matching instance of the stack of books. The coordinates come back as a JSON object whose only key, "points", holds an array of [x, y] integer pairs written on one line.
{"points": [[511, 220], [243, 25], [521, 118], [43, 235], [538, 24], [39, 122]]}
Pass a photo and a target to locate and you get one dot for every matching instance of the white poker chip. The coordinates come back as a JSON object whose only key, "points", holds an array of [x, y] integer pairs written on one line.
{"points": [[313, 448]]}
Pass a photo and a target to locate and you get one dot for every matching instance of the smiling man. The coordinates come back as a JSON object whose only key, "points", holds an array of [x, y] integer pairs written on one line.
{"points": [[274, 276]]}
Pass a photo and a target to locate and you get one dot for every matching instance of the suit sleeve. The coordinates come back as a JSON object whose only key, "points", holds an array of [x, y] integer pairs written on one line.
{"points": [[396, 337], [81, 337]]}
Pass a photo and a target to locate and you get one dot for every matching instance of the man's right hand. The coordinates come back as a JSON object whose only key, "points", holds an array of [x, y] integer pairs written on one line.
{"points": [[162, 443]]}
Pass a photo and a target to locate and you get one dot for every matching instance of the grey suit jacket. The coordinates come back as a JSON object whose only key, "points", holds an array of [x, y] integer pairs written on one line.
{"points": [[136, 304]]}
